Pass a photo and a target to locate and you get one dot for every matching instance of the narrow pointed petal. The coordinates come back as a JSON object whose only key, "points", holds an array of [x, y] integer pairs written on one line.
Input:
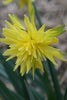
{"points": [[10, 57], [23, 69], [39, 65], [28, 24], [16, 21], [42, 28], [29, 65]]}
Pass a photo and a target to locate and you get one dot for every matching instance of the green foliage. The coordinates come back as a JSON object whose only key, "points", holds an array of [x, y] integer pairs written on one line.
{"points": [[65, 94], [24, 90]]}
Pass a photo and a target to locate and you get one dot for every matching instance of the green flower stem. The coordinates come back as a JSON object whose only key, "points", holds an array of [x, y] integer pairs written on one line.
{"points": [[50, 65], [37, 14]]}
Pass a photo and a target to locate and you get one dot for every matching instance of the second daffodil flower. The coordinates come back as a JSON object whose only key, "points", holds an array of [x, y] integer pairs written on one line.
{"points": [[30, 45], [21, 3]]}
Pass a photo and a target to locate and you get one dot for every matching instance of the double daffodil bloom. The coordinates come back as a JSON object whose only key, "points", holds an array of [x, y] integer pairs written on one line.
{"points": [[30, 45], [21, 3]]}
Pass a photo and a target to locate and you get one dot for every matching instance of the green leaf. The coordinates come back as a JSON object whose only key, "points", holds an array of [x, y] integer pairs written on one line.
{"points": [[53, 75], [25, 92], [36, 81], [47, 86], [3, 74], [13, 76], [29, 91], [65, 94], [43, 82], [37, 95], [7, 94]]}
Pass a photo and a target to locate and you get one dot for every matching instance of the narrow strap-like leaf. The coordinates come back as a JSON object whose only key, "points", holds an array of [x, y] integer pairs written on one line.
{"points": [[53, 74], [47, 85], [37, 94], [43, 82], [13, 77], [25, 92], [65, 94], [7, 94], [29, 91]]}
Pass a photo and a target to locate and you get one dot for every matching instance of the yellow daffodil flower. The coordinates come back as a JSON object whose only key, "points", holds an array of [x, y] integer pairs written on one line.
{"points": [[30, 45], [21, 3]]}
